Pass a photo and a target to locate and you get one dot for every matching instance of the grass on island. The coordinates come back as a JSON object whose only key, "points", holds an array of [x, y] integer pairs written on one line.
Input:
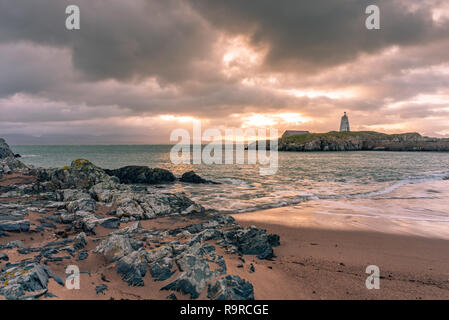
{"points": [[369, 135]]}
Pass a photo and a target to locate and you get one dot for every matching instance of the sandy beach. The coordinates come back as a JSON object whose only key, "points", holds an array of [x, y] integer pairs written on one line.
{"points": [[325, 257]]}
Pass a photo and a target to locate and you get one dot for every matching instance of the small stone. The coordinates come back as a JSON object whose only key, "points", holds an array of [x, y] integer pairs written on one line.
{"points": [[252, 269], [82, 255], [101, 289]]}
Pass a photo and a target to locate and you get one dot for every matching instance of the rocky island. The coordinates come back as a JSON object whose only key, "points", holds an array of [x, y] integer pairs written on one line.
{"points": [[129, 239], [359, 141]]}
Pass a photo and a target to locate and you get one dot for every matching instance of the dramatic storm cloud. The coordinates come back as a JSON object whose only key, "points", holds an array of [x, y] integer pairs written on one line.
{"points": [[138, 69]]}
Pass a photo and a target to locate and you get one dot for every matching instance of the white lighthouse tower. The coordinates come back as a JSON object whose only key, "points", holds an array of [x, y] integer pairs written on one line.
{"points": [[344, 124]]}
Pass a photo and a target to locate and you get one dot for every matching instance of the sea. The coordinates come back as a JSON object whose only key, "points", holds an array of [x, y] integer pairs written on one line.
{"points": [[300, 177]]}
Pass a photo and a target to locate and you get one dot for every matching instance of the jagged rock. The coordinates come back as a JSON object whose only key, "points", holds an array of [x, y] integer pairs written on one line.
{"points": [[18, 280], [142, 205], [133, 267], [80, 241], [104, 191], [15, 226], [81, 174], [10, 165], [161, 269], [5, 151], [74, 194], [192, 177], [142, 174], [230, 288], [115, 247], [82, 205], [67, 218], [109, 223], [4, 257], [250, 240], [160, 263], [195, 270], [129, 208]]}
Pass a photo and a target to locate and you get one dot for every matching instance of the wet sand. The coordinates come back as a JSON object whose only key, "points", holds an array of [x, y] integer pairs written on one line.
{"points": [[324, 256]]}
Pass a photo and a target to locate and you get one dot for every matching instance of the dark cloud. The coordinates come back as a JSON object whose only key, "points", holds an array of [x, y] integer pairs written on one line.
{"points": [[321, 33], [118, 39], [140, 59]]}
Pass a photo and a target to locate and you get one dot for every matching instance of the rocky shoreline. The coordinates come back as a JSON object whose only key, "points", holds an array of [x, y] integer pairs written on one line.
{"points": [[359, 141], [53, 218]]}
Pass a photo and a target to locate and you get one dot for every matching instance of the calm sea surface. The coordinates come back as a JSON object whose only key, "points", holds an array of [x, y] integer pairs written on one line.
{"points": [[301, 176]]}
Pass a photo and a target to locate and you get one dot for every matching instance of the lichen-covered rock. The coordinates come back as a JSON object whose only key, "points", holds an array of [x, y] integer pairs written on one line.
{"points": [[196, 272], [230, 288], [161, 263], [142, 174], [18, 280], [81, 174], [144, 205], [82, 205], [114, 247], [133, 267]]}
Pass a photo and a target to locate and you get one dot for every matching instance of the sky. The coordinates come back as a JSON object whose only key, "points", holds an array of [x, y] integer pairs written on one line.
{"points": [[139, 69]]}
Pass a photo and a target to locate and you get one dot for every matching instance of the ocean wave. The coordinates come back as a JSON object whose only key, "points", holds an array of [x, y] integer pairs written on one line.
{"points": [[30, 155], [279, 201], [391, 188]]}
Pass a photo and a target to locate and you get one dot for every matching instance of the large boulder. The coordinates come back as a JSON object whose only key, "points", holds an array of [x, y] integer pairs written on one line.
{"points": [[16, 281], [81, 174], [115, 247], [142, 174], [192, 177], [12, 165], [252, 240], [5, 151], [144, 205], [195, 269]]}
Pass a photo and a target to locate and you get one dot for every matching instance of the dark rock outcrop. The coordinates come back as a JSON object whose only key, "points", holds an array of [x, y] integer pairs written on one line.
{"points": [[5, 151], [142, 174], [81, 174], [230, 288], [356, 141], [192, 177], [15, 226], [359, 141]]}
